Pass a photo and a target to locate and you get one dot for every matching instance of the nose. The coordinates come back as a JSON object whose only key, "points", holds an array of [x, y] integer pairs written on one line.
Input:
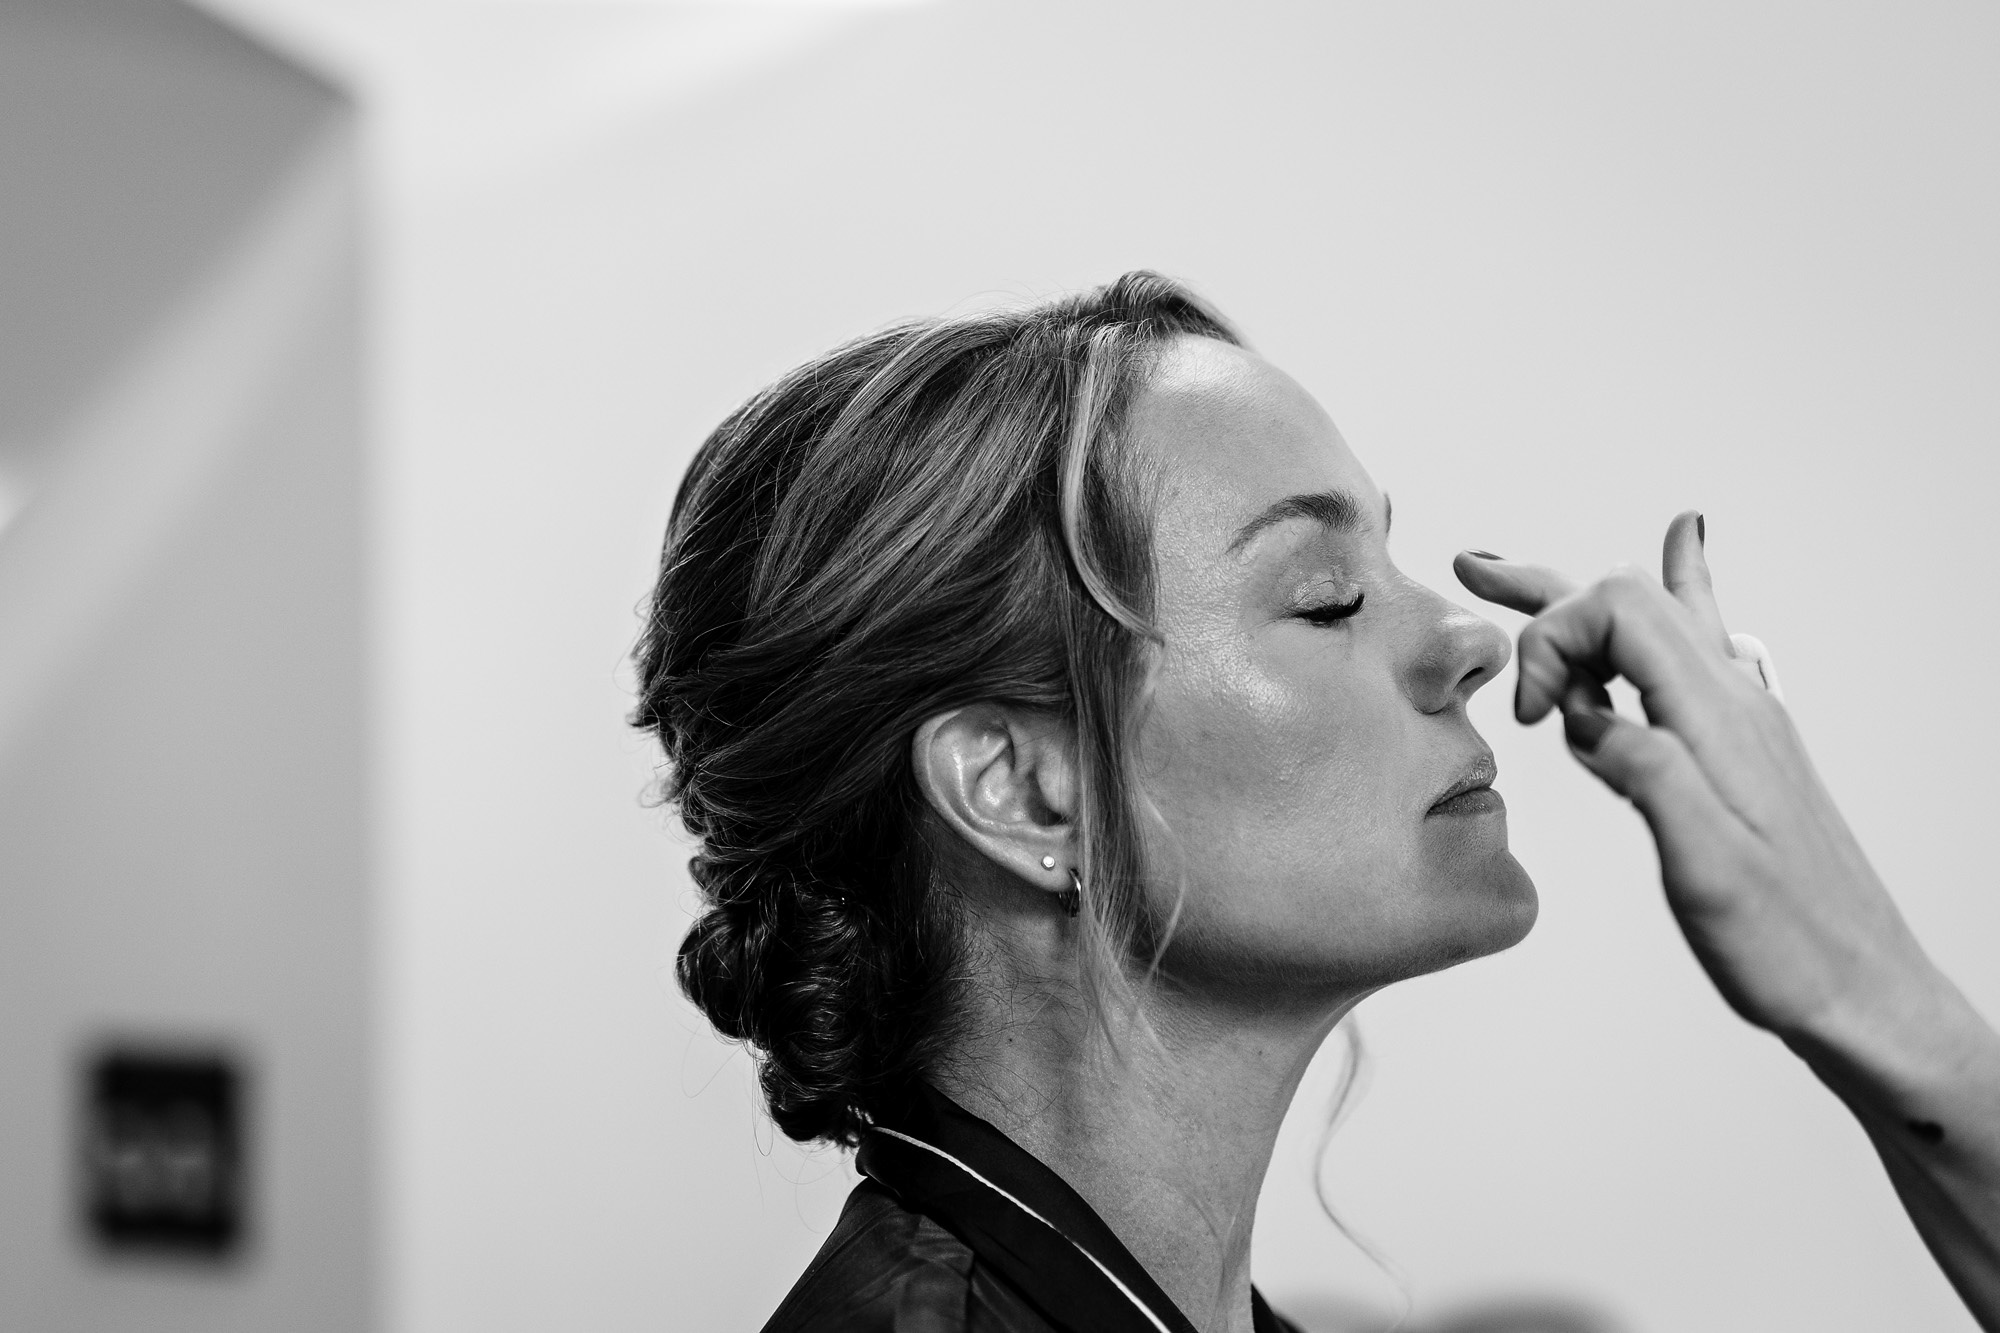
{"points": [[1455, 652]]}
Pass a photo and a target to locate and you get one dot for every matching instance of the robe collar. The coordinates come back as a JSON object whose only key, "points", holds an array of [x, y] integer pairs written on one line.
{"points": [[1022, 1220]]}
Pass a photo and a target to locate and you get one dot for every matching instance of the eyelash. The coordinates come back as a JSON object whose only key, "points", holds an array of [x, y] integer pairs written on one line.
{"points": [[1332, 613]]}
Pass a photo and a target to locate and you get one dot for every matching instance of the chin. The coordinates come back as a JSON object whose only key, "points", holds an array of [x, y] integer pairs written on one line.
{"points": [[1468, 909], [1518, 915], [1471, 911], [1494, 912]]}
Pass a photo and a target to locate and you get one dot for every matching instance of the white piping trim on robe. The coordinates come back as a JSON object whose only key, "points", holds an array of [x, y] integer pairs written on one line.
{"points": [[1129, 1294]]}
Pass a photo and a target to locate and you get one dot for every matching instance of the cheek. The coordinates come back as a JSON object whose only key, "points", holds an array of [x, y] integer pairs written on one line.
{"points": [[1292, 836], [1275, 791]]}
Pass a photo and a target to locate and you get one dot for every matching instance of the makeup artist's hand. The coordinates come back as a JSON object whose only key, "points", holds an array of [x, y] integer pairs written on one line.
{"points": [[1766, 880], [1771, 889]]}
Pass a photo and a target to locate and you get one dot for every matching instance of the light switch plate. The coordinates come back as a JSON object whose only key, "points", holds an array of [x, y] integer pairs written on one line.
{"points": [[164, 1155]]}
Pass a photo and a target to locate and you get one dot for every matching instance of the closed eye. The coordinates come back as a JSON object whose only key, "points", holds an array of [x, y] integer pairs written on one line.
{"points": [[1331, 611]]}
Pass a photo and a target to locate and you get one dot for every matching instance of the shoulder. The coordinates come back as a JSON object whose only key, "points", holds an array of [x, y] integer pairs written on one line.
{"points": [[887, 1269]]}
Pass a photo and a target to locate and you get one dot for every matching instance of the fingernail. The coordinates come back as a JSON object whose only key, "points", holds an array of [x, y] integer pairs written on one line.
{"points": [[1584, 728], [1484, 555], [1701, 529]]}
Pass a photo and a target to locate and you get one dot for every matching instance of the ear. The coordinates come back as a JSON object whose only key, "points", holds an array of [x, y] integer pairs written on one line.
{"points": [[1004, 780]]}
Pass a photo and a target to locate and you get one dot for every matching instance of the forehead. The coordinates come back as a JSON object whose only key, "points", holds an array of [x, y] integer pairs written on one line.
{"points": [[1231, 433]]}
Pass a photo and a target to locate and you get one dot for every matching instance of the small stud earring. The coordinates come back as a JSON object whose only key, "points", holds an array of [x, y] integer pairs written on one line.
{"points": [[1048, 863]]}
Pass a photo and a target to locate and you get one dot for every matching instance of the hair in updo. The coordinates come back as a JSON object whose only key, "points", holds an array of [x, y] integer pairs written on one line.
{"points": [[937, 514]]}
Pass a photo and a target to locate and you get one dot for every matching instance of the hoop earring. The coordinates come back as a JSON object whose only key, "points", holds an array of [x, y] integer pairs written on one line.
{"points": [[1071, 898]]}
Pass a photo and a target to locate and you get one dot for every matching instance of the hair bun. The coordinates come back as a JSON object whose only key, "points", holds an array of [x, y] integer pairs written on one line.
{"points": [[784, 966]]}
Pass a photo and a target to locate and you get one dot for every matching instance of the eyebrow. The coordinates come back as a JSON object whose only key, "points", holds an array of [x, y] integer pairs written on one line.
{"points": [[1337, 511]]}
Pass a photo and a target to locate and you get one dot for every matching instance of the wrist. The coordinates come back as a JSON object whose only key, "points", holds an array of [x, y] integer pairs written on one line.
{"points": [[1908, 1052]]}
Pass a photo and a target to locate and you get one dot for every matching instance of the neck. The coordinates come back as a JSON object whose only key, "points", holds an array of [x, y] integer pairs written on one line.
{"points": [[1165, 1126]]}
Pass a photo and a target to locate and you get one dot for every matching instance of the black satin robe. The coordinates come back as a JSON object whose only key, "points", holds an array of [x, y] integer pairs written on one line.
{"points": [[959, 1230]]}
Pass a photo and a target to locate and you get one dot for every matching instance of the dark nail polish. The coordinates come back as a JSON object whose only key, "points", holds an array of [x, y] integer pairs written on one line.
{"points": [[1584, 728], [1484, 555], [1701, 529]]}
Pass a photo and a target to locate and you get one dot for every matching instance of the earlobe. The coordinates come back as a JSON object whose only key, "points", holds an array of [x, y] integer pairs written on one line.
{"points": [[1000, 779]]}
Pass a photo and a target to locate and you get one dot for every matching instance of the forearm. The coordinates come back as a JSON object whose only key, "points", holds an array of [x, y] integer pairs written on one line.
{"points": [[1922, 1075]]}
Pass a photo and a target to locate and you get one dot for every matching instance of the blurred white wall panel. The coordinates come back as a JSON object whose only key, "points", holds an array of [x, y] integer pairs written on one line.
{"points": [[182, 725]]}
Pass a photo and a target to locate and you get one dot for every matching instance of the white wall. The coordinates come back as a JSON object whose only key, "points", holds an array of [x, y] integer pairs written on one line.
{"points": [[182, 853], [1558, 270]]}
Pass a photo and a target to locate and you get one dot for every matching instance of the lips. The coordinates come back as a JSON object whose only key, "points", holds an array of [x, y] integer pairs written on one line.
{"points": [[1472, 792]]}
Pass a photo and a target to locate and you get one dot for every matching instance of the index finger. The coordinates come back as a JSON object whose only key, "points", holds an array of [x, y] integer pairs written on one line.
{"points": [[1530, 589], [1627, 625]]}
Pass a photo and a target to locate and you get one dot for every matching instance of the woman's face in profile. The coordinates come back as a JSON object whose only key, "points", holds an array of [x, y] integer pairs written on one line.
{"points": [[1324, 797]]}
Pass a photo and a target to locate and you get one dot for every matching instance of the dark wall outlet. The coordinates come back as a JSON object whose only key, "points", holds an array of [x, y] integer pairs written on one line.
{"points": [[164, 1151]]}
